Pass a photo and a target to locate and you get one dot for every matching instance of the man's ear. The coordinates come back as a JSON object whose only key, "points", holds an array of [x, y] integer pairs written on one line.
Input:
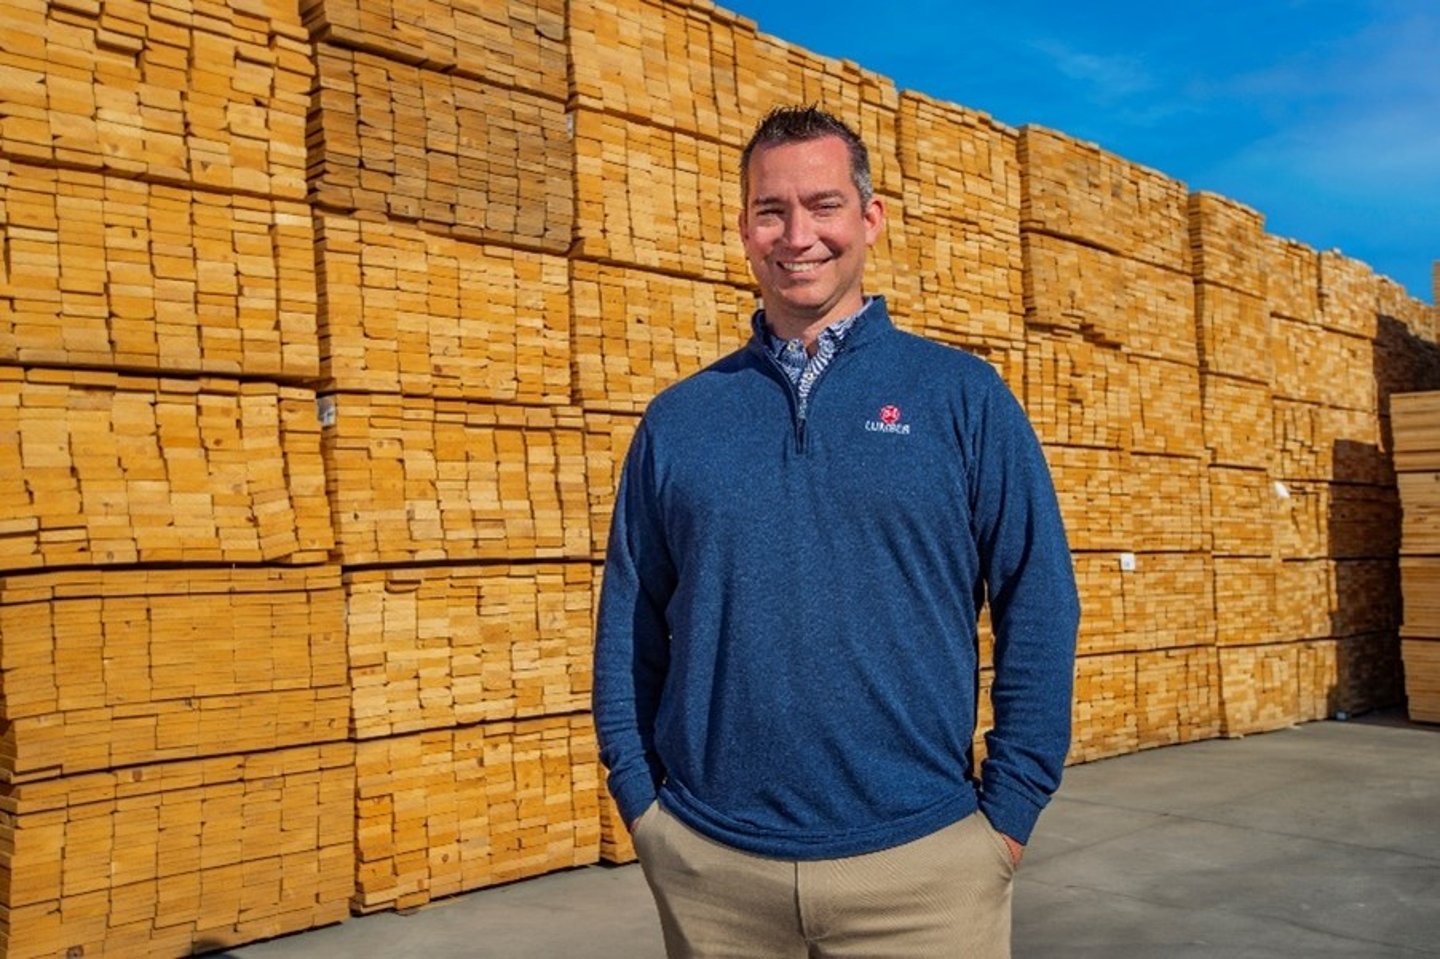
{"points": [[874, 216]]}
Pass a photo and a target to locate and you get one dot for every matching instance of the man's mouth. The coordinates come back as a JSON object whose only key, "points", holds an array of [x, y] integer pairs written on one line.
{"points": [[805, 267]]}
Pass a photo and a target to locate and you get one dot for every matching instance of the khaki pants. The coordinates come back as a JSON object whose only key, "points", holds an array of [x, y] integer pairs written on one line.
{"points": [[944, 895]]}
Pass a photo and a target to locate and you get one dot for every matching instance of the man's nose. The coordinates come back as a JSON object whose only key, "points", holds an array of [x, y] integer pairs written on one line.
{"points": [[799, 230]]}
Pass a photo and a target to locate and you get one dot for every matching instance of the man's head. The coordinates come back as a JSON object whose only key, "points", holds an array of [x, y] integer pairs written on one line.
{"points": [[796, 124], [809, 216]]}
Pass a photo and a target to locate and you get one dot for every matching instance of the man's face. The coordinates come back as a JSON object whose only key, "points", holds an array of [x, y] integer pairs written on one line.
{"points": [[806, 232]]}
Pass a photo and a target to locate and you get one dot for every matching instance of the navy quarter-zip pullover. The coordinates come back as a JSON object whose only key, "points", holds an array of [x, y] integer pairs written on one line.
{"points": [[807, 689]]}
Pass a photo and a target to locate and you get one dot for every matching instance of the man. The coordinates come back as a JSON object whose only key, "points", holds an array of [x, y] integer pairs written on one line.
{"points": [[786, 660]]}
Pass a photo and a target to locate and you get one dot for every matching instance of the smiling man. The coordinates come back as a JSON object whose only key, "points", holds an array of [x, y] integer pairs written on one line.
{"points": [[786, 664]]}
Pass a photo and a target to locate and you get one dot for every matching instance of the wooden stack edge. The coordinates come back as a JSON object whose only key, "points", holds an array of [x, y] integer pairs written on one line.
{"points": [[111, 469], [417, 479], [214, 99], [445, 811], [221, 283], [1415, 422], [1422, 678], [1108, 296], [1129, 701], [635, 332], [517, 43], [1076, 190], [116, 668], [399, 140], [170, 858], [440, 647], [1276, 685], [409, 310], [657, 199]]}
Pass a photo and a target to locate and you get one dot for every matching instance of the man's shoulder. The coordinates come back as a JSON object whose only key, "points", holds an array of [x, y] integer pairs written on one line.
{"points": [[954, 365], [695, 392]]}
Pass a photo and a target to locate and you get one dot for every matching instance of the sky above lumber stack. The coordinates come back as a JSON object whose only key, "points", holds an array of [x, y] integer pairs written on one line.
{"points": [[1323, 115]]}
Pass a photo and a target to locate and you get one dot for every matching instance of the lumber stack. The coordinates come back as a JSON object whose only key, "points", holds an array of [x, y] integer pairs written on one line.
{"points": [[447, 810], [441, 174], [961, 219], [1234, 338], [433, 315], [442, 647], [1338, 512], [172, 665], [107, 271], [1112, 384], [414, 143], [174, 857], [115, 668], [1415, 419]]}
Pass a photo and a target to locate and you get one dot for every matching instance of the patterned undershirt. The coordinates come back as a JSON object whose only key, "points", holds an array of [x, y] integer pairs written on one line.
{"points": [[802, 368]]}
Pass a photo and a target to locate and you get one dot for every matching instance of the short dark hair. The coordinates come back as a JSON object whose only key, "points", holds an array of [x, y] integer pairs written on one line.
{"points": [[799, 124]]}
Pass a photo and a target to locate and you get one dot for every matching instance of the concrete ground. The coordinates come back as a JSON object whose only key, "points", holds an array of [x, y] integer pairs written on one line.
{"points": [[1317, 841]]}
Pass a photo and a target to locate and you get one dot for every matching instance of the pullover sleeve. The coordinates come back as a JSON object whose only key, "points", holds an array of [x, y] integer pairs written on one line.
{"points": [[632, 638], [1034, 610]]}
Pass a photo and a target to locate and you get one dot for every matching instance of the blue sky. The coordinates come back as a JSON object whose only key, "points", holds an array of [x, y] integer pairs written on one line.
{"points": [[1323, 115]]}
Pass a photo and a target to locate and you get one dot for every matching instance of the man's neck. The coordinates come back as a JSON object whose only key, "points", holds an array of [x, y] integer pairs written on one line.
{"points": [[808, 330]]}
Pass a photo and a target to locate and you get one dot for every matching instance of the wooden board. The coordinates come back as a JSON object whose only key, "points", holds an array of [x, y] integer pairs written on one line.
{"points": [[168, 858], [109, 469], [407, 310], [107, 271], [110, 668], [450, 810], [437, 647]]}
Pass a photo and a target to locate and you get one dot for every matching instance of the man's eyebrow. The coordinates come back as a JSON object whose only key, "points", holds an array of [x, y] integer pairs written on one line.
{"points": [[808, 199]]}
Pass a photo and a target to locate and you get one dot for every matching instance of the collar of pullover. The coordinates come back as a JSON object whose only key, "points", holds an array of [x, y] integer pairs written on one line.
{"points": [[869, 324]]}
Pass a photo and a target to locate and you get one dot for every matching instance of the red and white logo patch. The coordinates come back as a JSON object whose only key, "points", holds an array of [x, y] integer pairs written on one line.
{"points": [[888, 422]]}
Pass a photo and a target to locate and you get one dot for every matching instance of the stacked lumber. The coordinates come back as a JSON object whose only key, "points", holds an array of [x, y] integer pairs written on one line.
{"points": [[1113, 386], [961, 203], [1105, 719], [172, 671], [518, 43], [212, 97], [1176, 696], [452, 646], [1234, 338], [106, 469], [111, 668], [663, 63], [408, 310], [607, 440], [417, 480], [1233, 327], [1259, 687], [442, 170], [661, 199], [1415, 418], [454, 809], [486, 162], [1407, 358], [636, 332], [178, 857], [111, 272]]}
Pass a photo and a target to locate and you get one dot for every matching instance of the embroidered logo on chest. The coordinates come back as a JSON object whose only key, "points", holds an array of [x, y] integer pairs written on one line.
{"points": [[889, 421]]}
